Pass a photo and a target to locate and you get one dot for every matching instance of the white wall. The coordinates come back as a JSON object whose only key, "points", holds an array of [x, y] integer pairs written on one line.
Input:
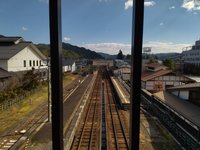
{"points": [[73, 67], [16, 63], [125, 76], [149, 85], [67, 68], [3, 64], [175, 93], [184, 95]]}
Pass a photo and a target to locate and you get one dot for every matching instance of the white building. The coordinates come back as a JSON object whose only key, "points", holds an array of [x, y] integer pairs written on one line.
{"points": [[124, 71], [19, 55], [191, 55], [69, 65]]}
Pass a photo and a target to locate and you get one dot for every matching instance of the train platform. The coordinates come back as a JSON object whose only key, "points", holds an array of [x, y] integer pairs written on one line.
{"points": [[42, 138], [186, 109], [123, 94]]}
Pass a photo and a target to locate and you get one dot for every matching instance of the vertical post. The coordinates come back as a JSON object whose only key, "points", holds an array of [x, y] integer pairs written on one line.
{"points": [[56, 74], [136, 50], [49, 89]]}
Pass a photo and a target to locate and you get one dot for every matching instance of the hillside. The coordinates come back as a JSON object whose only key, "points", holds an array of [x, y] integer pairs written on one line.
{"points": [[107, 56], [162, 56], [83, 52], [71, 51]]}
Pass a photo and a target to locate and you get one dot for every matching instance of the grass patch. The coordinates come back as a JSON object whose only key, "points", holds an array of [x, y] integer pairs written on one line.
{"points": [[20, 111], [68, 77]]}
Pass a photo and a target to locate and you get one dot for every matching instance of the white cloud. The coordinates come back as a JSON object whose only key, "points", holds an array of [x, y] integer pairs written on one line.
{"points": [[24, 28], [165, 47], [161, 24], [191, 5], [67, 39], [157, 47], [172, 7], [129, 3], [44, 1], [109, 48], [149, 3]]}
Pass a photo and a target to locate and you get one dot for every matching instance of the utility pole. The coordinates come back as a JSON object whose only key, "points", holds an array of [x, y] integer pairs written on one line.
{"points": [[49, 89]]}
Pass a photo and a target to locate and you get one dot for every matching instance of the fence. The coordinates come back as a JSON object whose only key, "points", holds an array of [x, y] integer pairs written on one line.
{"points": [[9, 103]]}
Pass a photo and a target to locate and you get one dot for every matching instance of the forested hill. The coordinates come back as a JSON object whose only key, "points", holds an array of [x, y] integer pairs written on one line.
{"points": [[85, 53], [71, 51]]}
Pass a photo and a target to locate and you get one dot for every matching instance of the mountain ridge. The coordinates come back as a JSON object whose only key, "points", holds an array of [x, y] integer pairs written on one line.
{"points": [[71, 51]]}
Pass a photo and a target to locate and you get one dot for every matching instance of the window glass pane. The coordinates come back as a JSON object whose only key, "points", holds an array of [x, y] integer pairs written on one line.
{"points": [[169, 94], [23, 83], [101, 30]]}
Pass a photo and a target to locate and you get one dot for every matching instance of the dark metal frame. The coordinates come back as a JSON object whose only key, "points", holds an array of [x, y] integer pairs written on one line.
{"points": [[56, 73], [136, 60]]}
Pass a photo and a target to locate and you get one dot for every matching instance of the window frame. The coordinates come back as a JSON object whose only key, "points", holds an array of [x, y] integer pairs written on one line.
{"points": [[56, 72]]}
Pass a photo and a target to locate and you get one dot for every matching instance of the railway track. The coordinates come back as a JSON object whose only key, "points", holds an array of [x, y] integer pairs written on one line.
{"points": [[118, 135], [6, 142], [102, 125], [13, 136], [88, 135]]}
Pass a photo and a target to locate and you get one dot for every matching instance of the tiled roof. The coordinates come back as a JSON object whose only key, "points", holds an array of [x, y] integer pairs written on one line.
{"points": [[186, 86], [148, 75], [6, 52], [67, 62]]}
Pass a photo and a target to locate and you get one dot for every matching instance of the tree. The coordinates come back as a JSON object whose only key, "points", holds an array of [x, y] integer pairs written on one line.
{"points": [[120, 55], [128, 56], [30, 80], [169, 63], [152, 60]]}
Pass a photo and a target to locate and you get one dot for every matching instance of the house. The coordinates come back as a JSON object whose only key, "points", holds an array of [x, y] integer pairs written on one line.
{"points": [[124, 71], [119, 62], [157, 77], [18, 55], [69, 65]]}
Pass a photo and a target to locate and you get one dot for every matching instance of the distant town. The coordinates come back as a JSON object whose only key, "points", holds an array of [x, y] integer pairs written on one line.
{"points": [[170, 93]]}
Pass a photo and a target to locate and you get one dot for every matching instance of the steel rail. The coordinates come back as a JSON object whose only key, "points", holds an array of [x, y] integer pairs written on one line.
{"points": [[94, 94], [119, 118]]}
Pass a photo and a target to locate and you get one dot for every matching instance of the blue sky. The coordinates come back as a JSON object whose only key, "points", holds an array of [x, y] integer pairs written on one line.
{"points": [[105, 25]]}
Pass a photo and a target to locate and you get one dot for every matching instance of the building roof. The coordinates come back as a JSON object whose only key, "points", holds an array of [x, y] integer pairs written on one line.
{"points": [[124, 66], [9, 39], [185, 108], [148, 75], [185, 86], [6, 52], [4, 74], [154, 65], [10, 46], [194, 78], [67, 62]]}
